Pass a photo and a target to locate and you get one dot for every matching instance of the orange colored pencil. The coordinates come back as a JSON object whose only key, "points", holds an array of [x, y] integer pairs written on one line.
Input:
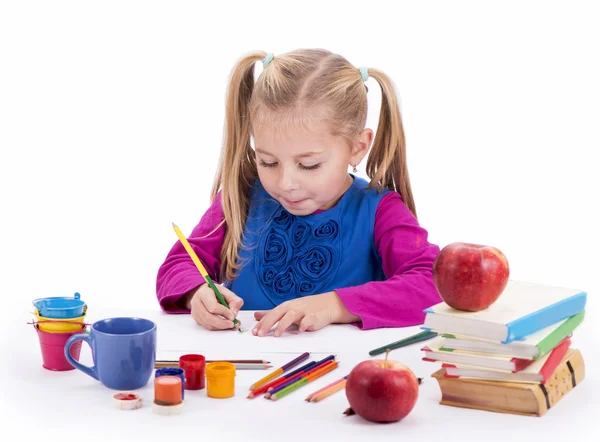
{"points": [[322, 395], [305, 380], [297, 378], [323, 370], [310, 396]]}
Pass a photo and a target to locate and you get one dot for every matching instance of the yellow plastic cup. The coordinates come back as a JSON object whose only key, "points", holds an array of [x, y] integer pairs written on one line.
{"points": [[58, 325], [220, 380]]}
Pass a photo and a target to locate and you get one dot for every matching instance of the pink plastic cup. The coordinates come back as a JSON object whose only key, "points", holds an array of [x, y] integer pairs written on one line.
{"points": [[53, 349]]}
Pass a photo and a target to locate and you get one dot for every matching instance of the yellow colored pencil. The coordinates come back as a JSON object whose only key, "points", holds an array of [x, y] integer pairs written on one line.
{"points": [[305, 380], [280, 370], [202, 270]]}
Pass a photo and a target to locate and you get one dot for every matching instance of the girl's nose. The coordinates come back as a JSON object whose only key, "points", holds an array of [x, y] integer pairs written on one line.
{"points": [[287, 180]]}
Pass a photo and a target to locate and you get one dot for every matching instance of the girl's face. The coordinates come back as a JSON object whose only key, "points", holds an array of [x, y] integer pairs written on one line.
{"points": [[306, 169]]}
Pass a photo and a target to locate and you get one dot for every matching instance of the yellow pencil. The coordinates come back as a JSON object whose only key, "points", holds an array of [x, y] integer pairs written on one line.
{"points": [[202, 270]]}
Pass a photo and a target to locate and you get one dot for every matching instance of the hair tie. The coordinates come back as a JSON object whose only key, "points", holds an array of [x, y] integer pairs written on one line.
{"points": [[364, 73], [267, 59]]}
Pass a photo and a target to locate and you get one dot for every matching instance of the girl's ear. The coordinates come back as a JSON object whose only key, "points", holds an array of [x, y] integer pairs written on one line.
{"points": [[361, 146]]}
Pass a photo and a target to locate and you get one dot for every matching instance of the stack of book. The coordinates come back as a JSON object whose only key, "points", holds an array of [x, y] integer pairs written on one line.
{"points": [[513, 357]]}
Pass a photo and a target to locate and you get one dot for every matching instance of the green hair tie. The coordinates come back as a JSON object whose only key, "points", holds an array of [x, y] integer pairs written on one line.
{"points": [[364, 73], [267, 59]]}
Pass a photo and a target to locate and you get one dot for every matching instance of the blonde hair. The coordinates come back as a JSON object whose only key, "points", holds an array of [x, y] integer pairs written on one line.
{"points": [[294, 84]]}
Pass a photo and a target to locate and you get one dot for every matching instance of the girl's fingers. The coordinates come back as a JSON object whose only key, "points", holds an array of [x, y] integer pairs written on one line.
{"points": [[213, 322], [212, 306], [260, 314], [288, 319], [234, 301], [267, 321], [308, 323]]}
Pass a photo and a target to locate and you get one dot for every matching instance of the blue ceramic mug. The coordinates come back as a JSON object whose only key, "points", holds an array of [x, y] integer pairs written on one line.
{"points": [[123, 350]]}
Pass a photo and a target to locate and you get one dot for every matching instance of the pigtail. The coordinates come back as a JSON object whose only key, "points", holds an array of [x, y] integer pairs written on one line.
{"points": [[386, 165], [237, 166]]}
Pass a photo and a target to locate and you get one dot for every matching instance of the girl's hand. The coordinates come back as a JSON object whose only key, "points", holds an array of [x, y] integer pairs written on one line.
{"points": [[310, 313], [207, 311]]}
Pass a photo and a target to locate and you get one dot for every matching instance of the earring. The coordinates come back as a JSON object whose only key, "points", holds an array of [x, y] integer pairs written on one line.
{"points": [[354, 169]]}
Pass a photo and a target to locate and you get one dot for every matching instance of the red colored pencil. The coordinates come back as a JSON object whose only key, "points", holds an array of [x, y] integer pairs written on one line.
{"points": [[308, 374], [278, 381]]}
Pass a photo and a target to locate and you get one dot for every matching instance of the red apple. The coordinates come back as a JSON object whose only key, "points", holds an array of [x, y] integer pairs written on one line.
{"points": [[382, 391], [470, 277]]}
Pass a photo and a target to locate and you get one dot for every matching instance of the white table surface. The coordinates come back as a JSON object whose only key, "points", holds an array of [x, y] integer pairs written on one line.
{"points": [[61, 405]]}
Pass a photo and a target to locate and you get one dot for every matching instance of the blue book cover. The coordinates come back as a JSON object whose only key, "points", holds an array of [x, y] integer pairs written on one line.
{"points": [[522, 309]]}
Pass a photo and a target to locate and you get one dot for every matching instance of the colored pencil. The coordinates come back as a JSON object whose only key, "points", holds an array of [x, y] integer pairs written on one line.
{"points": [[419, 337], [175, 363], [276, 382], [202, 270], [238, 365], [331, 390], [309, 368], [286, 382], [280, 370], [305, 380], [296, 378], [310, 396]]}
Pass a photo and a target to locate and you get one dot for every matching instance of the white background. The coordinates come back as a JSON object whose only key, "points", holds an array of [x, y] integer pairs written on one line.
{"points": [[111, 117]]}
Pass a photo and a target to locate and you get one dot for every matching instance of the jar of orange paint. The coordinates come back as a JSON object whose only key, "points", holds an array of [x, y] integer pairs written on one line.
{"points": [[220, 379]]}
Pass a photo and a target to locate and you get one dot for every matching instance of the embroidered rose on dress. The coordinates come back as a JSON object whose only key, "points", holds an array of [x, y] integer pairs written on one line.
{"points": [[326, 231], [315, 263], [284, 284], [300, 232], [268, 276], [284, 220], [297, 258], [306, 288], [276, 250]]}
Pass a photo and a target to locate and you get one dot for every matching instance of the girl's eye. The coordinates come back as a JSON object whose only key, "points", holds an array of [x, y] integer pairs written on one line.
{"points": [[313, 167], [263, 164]]}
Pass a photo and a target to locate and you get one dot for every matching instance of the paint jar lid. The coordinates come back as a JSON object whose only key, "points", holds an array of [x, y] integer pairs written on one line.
{"points": [[192, 362], [127, 401], [220, 369], [169, 371]]}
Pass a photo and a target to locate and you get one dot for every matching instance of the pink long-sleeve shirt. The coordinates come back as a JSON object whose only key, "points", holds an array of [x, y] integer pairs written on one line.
{"points": [[407, 259]]}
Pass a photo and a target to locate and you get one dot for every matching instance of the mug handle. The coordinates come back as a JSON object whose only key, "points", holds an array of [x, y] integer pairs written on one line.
{"points": [[90, 371]]}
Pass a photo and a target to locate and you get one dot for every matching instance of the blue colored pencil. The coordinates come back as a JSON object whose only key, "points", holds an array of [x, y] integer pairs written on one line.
{"points": [[294, 379], [264, 388]]}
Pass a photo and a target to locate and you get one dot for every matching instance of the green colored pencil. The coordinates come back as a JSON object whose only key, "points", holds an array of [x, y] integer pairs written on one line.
{"points": [[202, 270], [419, 337], [289, 389]]}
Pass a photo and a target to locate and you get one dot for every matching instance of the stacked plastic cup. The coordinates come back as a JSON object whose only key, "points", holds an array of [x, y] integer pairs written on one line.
{"points": [[57, 319]]}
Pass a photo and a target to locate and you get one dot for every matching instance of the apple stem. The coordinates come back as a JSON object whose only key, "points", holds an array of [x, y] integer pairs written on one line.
{"points": [[387, 352]]}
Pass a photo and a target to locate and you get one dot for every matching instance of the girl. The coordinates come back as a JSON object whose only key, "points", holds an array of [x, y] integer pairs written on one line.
{"points": [[290, 233]]}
